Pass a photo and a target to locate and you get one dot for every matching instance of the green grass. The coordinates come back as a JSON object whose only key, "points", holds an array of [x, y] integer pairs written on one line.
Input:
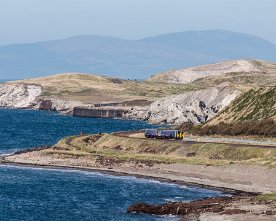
{"points": [[267, 197], [256, 104], [128, 148]]}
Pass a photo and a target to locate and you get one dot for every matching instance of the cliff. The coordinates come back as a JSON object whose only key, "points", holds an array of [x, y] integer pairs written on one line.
{"points": [[70, 94], [196, 107], [19, 95], [64, 92]]}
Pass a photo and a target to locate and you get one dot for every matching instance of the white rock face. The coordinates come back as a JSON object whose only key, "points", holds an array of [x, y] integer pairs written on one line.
{"points": [[196, 107], [191, 74], [18, 95], [62, 106], [139, 113]]}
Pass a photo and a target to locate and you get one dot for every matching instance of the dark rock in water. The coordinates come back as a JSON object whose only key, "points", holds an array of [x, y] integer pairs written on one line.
{"points": [[216, 205]]}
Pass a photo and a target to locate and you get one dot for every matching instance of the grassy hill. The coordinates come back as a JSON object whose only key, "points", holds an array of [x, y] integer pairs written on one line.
{"points": [[253, 113], [245, 74], [256, 104], [92, 88], [255, 107], [110, 146], [265, 76]]}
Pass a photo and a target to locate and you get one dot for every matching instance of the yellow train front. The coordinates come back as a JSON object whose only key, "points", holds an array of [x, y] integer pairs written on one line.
{"points": [[164, 134]]}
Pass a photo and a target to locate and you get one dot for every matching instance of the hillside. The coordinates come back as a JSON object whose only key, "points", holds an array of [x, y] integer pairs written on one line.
{"points": [[251, 114], [246, 85], [239, 72], [256, 104], [135, 59], [92, 95], [92, 89]]}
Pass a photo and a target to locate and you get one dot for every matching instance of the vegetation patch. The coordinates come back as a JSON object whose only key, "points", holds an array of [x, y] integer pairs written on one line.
{"points": [[252, 109], [267, 197], [111, 146], [87, 88], [265, 127]]}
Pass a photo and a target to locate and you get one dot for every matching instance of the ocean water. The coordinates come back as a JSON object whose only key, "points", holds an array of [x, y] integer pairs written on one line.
{"points": [[59, 195], [33, 194], [22, 129], [6, 80]]}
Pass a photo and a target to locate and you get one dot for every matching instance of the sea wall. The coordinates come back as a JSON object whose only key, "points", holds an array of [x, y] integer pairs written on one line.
{"points": [[98, 112]]}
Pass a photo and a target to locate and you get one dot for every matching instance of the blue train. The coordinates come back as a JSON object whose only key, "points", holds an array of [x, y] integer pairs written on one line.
{"points": [[164, 134]]}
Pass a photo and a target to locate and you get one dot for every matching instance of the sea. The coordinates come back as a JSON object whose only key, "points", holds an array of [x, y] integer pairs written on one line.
{"points": [[39, 194]]}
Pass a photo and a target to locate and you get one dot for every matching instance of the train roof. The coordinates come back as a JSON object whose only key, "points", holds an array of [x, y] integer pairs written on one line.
{"points": [[161, 130]]}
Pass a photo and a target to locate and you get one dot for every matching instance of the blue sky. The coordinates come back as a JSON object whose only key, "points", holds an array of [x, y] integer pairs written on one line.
{"points": [[37, 20]]}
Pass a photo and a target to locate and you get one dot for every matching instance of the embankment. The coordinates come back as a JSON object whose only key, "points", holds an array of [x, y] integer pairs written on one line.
{"points": [[242, 168]]}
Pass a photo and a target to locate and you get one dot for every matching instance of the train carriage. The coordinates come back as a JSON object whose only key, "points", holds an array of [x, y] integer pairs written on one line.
{"points": [[164, 134], [152, 133]]}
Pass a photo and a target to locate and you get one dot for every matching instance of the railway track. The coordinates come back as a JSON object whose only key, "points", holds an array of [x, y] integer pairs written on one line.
{"points": [[204, 140]]}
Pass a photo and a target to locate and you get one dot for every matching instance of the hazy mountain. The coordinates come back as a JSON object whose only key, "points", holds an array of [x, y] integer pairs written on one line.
{"points": [[130, 59], [219, 43]]}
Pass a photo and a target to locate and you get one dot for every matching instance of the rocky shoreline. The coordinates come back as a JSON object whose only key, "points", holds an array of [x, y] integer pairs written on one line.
{"points": [[114, 172], [242, 205], [215, 205], [239, 206], [190, 106], [229, 208]]}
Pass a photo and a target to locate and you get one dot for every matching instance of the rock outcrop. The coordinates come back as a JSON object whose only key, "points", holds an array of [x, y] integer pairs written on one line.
{"points": [[62, 106], [214, 205], [196, 106], [19, 95]]}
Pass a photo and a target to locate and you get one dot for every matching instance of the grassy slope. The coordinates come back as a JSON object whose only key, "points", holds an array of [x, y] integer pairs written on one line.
{"points": [[267, 197], [244, 81], [112, 146], [256, 104], [93, 88]]}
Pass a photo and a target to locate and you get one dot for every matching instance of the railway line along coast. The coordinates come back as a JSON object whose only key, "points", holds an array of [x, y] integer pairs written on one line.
{"points": [[244, 170]]}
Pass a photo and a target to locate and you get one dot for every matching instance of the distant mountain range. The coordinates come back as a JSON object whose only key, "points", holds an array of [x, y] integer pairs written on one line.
{"points": [[135, 59]]}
